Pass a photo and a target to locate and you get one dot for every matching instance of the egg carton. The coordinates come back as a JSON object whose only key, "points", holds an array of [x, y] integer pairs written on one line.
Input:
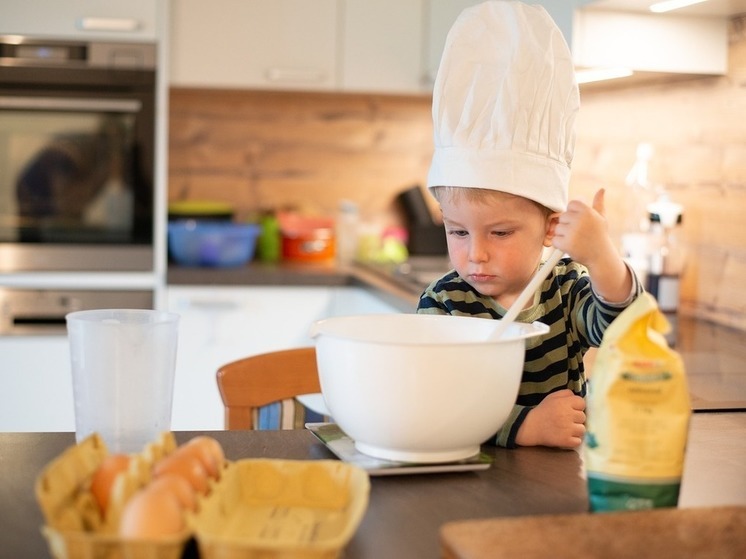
{"points": [[274, 509], [75, 527], [259, 508]]}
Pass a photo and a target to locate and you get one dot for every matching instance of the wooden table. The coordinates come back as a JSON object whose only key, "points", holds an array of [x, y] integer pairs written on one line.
{"points": [[406, 512]]}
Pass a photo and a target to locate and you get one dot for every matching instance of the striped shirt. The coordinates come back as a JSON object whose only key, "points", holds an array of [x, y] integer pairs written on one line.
{"points": [[577, 319]]}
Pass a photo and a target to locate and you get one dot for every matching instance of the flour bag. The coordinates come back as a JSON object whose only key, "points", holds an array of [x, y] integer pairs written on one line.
{"points": [[638, 412]]}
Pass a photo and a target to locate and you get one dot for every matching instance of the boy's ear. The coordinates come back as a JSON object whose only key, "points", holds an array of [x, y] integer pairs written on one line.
{"points": [[552, 221]]}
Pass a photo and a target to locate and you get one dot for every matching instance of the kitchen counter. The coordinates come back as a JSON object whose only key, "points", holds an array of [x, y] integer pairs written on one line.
{"points": [[260, 273], [393, 288]]}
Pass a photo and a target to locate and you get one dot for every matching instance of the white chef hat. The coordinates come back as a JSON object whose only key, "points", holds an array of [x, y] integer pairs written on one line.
{"points": [[504, 104]]}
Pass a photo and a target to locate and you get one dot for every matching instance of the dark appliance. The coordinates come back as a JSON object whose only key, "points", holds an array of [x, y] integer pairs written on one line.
{"points": [[77, 150], [426, 238]]}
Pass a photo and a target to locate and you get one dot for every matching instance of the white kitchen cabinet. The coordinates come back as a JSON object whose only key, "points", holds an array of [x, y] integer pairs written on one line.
{"points": [[277, 44], [386, 46], [36, 391], [656, 42], [134, 20], [341, 45], [382, 46], [390, 46], [221, 324]]}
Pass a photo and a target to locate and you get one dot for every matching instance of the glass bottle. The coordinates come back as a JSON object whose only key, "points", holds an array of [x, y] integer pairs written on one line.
{"points": [[347, 232]]}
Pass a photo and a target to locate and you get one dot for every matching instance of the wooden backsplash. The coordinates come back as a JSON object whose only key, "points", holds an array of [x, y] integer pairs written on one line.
{"points": [[310, 150], [306, 150]]}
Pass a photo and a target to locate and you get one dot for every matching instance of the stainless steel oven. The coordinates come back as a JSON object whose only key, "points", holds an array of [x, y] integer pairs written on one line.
{"points": [[77, 147]]}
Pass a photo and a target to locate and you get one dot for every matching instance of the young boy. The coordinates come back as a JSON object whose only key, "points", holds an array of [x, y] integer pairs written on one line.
{"points": [[504, 105]]}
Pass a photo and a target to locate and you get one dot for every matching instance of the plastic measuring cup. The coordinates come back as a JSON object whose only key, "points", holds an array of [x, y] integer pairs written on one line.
{"points": [[123, 364]]}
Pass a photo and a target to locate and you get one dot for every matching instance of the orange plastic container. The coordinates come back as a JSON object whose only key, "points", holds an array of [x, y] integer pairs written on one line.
{"points": [[307, 239]]}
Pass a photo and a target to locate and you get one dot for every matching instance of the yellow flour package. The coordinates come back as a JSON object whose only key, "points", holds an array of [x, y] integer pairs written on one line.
{"points": [[638, 414]]}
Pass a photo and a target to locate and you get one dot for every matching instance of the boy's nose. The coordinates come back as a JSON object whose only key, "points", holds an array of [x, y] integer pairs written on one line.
{"points": [[477, 251]]}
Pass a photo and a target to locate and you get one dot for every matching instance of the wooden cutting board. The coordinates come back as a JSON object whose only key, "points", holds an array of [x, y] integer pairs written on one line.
{"points": [[713, 532]]}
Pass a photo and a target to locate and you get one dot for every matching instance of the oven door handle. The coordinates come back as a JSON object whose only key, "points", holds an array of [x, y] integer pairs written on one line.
{"points": [[65, 104]]}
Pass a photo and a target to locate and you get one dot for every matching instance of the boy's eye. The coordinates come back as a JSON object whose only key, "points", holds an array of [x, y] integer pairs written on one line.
{"points": [[458, 232], [501, 233]]}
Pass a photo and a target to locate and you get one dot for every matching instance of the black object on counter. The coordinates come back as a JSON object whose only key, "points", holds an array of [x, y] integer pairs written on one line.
{"points": [[415, 206], [425, 236]]}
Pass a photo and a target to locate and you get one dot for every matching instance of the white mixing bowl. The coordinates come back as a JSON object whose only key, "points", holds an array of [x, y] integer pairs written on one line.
{"points": [[419, 388]]}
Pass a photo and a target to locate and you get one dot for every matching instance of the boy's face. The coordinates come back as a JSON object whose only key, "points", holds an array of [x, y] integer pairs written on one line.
{"points": [[496, 244]]}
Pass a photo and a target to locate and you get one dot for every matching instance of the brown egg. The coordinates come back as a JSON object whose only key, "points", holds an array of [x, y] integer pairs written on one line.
{"points": [[187, 466], [104, 476], [177, 486], [151, 513], [209, 451]]}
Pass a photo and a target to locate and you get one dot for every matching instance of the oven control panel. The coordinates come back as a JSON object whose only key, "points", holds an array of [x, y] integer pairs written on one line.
{"points": [[43, 311]]}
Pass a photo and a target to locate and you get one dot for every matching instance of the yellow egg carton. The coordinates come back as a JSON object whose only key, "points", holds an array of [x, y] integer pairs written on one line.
{"points": [[75, 528], [259, 507], [273, 509]]}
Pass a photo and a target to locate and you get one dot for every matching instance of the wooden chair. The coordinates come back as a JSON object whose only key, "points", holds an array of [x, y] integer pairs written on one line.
{"points": [[250, 383]]}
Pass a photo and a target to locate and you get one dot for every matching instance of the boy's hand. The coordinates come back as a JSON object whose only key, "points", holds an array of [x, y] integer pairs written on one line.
{"points": [[582, 233], [558, 421]]}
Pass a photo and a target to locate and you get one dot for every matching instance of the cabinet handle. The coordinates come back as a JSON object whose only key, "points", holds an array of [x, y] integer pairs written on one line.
{"points": [[66, 104], [35, 324], [108, 24], [211, 305], [307, 75]]}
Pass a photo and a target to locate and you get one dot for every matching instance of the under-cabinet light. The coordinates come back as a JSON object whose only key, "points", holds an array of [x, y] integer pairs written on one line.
{"points": [[588, 75], [670, 5]]}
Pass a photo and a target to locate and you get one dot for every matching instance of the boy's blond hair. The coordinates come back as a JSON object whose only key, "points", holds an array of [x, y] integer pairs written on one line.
{"points": [[477, 195]]}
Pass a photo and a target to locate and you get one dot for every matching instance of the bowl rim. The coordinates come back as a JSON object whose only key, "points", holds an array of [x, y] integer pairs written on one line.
{"points": [[525, 331]]}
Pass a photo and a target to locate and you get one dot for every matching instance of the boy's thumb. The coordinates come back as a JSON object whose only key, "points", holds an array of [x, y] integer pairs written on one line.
{"points": [[598, 201]]}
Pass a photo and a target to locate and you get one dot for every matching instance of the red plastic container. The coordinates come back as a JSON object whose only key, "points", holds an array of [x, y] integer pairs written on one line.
{"points": [[307, 239]]}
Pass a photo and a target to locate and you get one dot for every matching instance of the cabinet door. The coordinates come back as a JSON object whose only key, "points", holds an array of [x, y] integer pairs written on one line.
{"points": [[82, 19], [222, 324], [277, 44], [356, 300], [382, 48], [36, 387]]}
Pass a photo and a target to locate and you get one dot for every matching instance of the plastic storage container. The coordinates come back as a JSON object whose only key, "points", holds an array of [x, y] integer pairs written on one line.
{"points": [[196, 243], [307, 239]]}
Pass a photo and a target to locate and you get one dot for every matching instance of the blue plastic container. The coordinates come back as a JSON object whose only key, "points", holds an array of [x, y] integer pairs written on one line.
{"points": [[212, 243]]}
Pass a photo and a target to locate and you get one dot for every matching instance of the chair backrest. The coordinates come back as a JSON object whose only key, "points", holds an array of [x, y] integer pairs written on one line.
{"points": [[259, 380]]}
